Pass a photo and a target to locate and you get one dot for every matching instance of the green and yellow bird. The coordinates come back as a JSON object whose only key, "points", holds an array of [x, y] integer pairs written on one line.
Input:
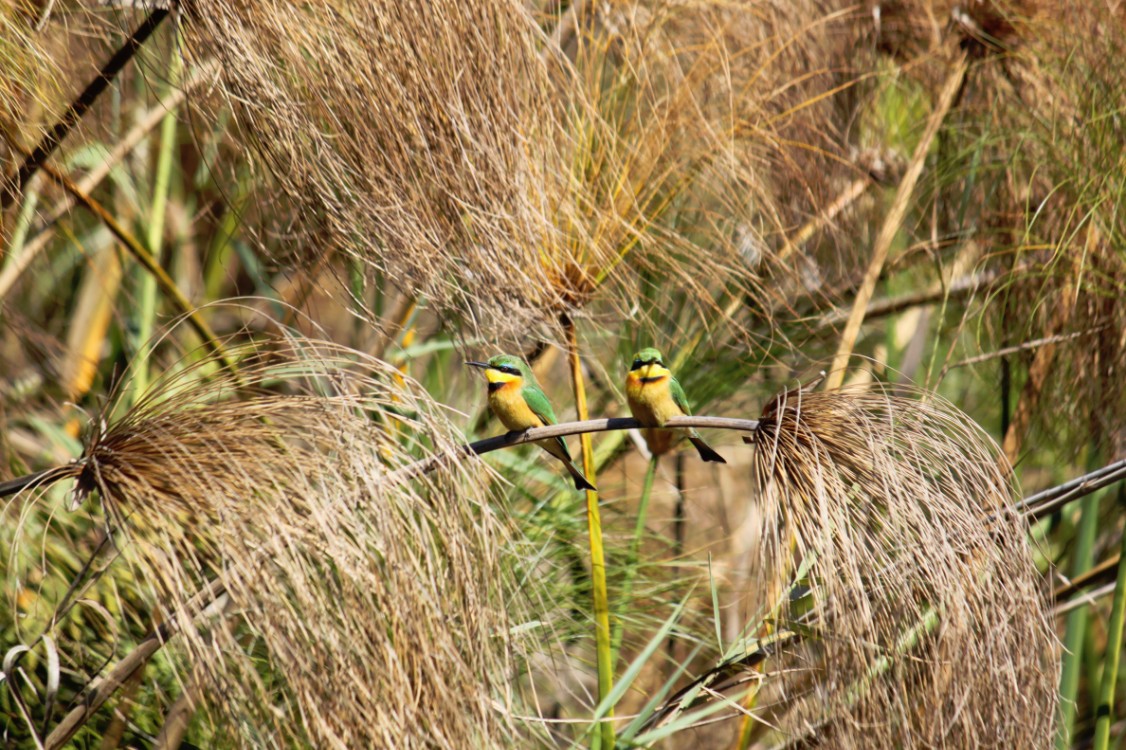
{"points": [[520, 404], [654, 397]]}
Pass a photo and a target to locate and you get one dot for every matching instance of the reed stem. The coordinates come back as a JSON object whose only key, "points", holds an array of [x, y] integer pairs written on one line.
{"points": [[634, 553], [1104, 708], [604, 739], [154, 234], [1076, 625]]}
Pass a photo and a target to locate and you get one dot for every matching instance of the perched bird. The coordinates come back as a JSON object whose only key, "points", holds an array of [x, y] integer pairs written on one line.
{"points": [[654, 396], [520, 404]]}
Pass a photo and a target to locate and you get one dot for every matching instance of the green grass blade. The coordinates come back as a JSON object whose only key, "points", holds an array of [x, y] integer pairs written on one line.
{"points": [[147, 297], [658, 697], [606, 705], [1076, 625], [634, 556], [1104, 708]]}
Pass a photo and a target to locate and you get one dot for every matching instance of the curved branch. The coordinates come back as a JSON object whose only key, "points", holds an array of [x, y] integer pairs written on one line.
{"points": [[562, 430], [603, 425], [1035, 507], [52, 475], [43, 478]]}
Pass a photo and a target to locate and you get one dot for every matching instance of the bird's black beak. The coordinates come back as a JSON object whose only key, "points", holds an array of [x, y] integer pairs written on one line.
{"points": [[482, 365]]}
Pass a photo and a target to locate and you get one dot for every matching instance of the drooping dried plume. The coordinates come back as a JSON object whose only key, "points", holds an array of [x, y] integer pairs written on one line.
{"points": [[930, 627], [509, 172], [361, 612]]}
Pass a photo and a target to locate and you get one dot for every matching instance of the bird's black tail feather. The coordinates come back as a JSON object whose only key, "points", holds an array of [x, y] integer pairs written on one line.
{"points": [[706, 452], [581, 482]]}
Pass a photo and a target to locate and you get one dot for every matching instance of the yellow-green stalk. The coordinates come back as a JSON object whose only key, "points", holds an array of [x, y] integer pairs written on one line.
{"points": [[604, 739], [1076, 624], [1104, 707], [146, 313]]}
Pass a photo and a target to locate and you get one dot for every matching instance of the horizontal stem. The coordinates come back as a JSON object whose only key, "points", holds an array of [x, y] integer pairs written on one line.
{"points": [[49, 476], [880, 308], [43, 478], [562, 430], [603, 425], [1099, 574], [1082, 599], [1034, 506], [1042, 503]]}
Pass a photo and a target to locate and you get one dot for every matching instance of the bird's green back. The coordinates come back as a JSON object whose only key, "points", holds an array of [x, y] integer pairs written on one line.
{"points": [[678, 395], [537, 401]]}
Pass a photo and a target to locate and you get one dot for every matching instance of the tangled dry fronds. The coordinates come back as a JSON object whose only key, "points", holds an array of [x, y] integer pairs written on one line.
{"points": [[509, 175], [361, 612], [1064, 197], [34, 69], [929, 626], [32, 88], [1032, 172]]}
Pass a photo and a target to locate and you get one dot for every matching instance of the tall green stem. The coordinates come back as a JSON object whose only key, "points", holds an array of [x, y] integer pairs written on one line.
{"points": [[1076, 624], [146, 313], [23, 224], [605, 656], [634, 555], [1104, 711]]}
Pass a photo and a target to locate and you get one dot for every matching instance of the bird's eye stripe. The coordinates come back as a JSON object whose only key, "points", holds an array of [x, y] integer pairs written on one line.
{"points": [[636, 365]]}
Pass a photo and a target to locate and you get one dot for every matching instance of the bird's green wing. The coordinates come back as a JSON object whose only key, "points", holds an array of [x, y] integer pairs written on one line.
{"points": [[541, 407], [678, 396], [538, 403]]}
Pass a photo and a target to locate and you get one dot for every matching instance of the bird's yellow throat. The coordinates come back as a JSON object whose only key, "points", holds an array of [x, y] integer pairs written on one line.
{"points": [[651, 373], [498, 380], [496, 376]]}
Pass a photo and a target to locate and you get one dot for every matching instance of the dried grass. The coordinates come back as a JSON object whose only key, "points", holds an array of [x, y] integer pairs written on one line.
{"points": [[930, 625], [468, 156], [33, 71], [1066, 92], [50, 55], [360, 613], [1034, 170]]}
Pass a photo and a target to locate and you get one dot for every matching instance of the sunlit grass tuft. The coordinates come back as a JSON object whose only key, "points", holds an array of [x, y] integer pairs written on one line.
{"points": [[358, 612], [923, 592]]}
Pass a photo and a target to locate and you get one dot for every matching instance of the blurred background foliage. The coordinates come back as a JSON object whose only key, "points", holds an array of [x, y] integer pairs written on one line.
{"points": [[279, 212]]}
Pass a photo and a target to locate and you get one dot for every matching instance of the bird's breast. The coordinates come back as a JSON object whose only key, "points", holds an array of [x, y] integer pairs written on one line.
{"points": [[650, 401], [511, 408]]}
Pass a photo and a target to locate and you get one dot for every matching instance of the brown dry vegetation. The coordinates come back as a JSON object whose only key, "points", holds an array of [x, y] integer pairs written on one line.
{"points": [[913, 549], [403, 185]]}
